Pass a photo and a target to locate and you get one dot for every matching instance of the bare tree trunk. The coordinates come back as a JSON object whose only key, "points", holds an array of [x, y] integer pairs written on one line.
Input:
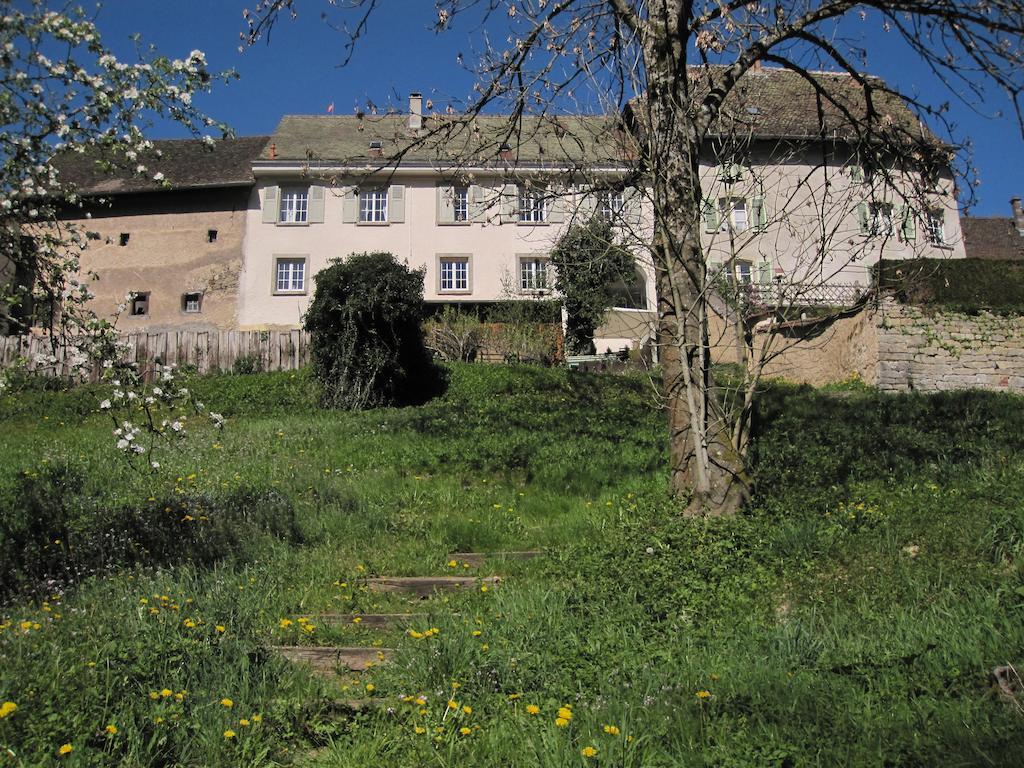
{"points": [[705, 466]]}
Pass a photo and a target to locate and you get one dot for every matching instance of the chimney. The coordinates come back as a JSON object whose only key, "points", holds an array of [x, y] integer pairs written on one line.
{"points": [[273, 151], [415, 111], [1018, 215], [505, 152]]}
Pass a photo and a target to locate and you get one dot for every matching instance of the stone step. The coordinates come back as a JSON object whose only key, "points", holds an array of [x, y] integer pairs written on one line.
{"points": [[425, 586], [476, 559], [326, 660], [369, 620]]}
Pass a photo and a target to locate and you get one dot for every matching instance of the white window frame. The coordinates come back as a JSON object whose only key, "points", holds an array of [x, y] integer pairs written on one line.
{"points": [[186, 303], [293, 207], [743, 272], [454, 273], [289, 285], [611, 203], [532, 267], [881, 219], [728, 208], [139, 299], [373, 206], [935, 227], [460, 205], [533, 205]]}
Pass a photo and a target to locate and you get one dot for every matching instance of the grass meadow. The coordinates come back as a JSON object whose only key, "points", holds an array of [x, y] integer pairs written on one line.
{"points": [[850, 616]]}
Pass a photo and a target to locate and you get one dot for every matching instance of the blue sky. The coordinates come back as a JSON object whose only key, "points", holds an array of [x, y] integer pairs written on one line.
{"points": [[297, 72]]}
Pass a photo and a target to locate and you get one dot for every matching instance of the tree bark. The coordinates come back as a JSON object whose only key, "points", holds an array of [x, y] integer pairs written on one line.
{"points": [[705, 467]]}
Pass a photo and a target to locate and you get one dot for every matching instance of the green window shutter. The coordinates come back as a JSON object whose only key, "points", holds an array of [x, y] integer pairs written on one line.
{"points": [[396, 203], [760, 214], [509, 204], [271, 203], [350, 207], [445, 204], [909, 225], [316, 204], [857, 174], [764, 272], [631, 204], [477, 207], [587, 206], [863, 218], [710, 215]]}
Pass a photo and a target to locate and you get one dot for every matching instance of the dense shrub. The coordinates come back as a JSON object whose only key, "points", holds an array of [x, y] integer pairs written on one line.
{"points": [[959, 285], [455, 335], [51, 531], [366, 341]]}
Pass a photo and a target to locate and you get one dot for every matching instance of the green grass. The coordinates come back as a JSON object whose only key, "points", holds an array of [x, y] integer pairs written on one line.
{"points": [[850, 616]]}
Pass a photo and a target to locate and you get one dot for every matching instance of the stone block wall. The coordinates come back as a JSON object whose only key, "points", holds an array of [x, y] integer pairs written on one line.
{"points": [[936, 351]]}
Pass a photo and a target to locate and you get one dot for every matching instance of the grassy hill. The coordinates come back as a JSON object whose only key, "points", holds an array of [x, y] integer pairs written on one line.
{"points": [[851, 616]]}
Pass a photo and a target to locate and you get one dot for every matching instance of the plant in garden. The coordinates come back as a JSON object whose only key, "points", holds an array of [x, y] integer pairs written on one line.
{"points": [[588, 261], [365, 337]]}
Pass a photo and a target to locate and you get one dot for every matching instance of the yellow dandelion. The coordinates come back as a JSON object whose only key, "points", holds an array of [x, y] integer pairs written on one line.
{"points": [[285, 623], [453, 563], [7, 708], [703, 694], [561, 722], [111, 729], [166, 692], [257, 718], [244, 723], [220, 628], [229, 734], [532, 709], [452, 704], [420, 729], [465, 731], [477, 633], [565, 713], [467, 709], [588, 751], [154, 695], [356, 620], [227, 703], [370, 687], [612, 730], [65, 749]]}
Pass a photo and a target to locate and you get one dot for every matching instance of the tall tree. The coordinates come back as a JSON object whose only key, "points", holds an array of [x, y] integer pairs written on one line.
{"points": [[679, 73]]}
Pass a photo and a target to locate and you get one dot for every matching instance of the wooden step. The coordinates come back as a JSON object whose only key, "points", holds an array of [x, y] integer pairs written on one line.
{"points": [[476, 559], [326, 660], [425, 586], [369, 620]]}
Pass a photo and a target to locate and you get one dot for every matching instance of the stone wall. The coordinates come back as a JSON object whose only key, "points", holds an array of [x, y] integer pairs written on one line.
{"points": [[931, 352]]}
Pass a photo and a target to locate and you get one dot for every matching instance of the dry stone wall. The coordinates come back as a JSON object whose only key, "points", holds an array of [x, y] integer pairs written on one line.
{"points": [[935, 351]]}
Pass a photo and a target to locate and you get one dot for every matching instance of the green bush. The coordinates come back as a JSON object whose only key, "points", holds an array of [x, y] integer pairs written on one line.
{"points": [[51, 531], [958, 285], [366, 341]]}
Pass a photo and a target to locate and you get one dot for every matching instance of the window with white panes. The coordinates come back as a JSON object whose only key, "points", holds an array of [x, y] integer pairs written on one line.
{"points": [[290, 275], [192, 302], [294, 208], [460, 203], [936, 227], [373, 206], [880, 218], [454, 275], [533, 273], [533, 205], [733, 213], [611, 203], [743, 272]]}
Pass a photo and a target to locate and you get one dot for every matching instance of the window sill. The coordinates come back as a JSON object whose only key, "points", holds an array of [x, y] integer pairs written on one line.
{"points": [[454, 223], [442, 292], [533, 223], [373, 223], [292, 223], [288, 293], [941, 246]]}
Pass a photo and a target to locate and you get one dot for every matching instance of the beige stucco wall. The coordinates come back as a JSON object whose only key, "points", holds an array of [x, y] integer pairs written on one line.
{"points": [[167, 255]]}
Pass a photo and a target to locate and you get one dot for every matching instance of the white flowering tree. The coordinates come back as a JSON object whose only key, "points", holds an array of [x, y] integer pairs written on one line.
{"points": [[62, 90]]}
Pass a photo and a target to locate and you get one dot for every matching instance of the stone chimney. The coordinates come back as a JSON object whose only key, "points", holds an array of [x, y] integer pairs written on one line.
{"points": [[415, 112], [1018, 215]]}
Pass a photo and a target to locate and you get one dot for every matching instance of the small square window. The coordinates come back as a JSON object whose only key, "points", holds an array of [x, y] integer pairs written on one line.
{"points": [[211, 235], [610, 203], [733, 214], [192, 302], [533, 205], [454, 274], [373, 206], [290, 275], [139, 305], [123, 240], [880, 218], [294, 206]]}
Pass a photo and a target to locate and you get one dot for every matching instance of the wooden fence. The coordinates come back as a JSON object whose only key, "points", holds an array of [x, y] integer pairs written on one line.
{"points": [[206, 351]]}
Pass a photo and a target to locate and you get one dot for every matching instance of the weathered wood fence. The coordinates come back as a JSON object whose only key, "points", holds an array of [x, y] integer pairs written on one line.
{"points": [[206, 351]]}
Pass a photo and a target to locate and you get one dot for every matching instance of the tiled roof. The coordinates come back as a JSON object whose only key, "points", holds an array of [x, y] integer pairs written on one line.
{"points": [[991, 237], [345, 140], [185, 164]]}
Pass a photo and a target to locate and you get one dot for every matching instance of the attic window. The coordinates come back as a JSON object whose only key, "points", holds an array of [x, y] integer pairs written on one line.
{"points": [[192, 302], [376, 145], [376, 149], [124, 239], [211, 235]]}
